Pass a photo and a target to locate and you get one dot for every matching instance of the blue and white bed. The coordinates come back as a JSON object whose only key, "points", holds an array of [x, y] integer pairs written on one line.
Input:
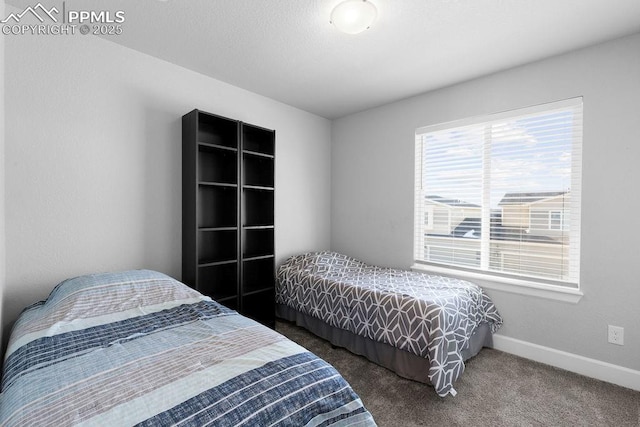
{"points": [[140, 348]]}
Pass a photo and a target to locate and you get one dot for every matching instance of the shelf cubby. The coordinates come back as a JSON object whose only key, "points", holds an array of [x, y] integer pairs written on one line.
{"points": [[257, 206], [217, 246], [259, 306], [257, 274], [257, 242], [217, 206], [257, 171], [219, 281], [217, 130], [258, 140], [217, 165], [231, 302]]}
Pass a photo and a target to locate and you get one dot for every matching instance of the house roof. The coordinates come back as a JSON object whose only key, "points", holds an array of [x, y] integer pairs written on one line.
{"points": [[452, 202], [528, 198]]}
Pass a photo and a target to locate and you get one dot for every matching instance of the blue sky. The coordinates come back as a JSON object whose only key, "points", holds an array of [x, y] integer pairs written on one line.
{"points": [[528, 155]]}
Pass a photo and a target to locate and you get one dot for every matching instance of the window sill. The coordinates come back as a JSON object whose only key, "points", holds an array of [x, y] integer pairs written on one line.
{"points": [[505, 284]]}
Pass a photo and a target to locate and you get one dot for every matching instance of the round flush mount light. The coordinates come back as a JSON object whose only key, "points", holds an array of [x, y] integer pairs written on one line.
{"points": [[353, 16]]}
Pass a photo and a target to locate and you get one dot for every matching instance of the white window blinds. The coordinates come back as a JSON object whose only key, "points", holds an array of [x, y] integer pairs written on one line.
{"points": [[501, 193]]}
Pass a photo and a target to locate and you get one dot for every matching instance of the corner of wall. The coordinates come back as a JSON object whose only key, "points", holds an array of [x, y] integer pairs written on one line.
{"points": [[2, 169]]}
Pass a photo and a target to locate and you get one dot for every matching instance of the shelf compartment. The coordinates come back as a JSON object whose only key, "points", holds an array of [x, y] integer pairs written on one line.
{"points": [[217, 246], [258, 139], [258, 206], [260, 306], [258, 274], [231, 302], [257, 170], [217, 130], [217, 165], [219, 281], [217, 206], [257, 242]]}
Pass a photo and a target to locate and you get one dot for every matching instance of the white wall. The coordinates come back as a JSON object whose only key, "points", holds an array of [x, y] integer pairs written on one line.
{"points": [[2, 174], [372, 189], [93, 169]]}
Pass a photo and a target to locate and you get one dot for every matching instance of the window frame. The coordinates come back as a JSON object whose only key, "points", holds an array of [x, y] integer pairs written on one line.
{"points": [[552, 289]]}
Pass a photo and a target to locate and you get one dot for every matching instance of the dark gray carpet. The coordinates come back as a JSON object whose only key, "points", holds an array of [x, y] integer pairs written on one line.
{"points": [[496, 389]]}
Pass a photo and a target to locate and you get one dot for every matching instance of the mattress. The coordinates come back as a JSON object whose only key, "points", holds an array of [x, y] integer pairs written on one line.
{"points": [[430, 316], [140, 348]]}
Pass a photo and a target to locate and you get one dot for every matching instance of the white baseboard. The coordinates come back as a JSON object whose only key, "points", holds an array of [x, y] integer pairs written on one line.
{"points": [[593, 368]]}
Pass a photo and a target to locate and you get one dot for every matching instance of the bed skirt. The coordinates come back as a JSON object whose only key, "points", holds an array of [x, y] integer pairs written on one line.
{"points": [[403, 363]]}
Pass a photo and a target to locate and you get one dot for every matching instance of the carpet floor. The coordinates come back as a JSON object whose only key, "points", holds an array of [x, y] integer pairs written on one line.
{"points": [[496, 389]]}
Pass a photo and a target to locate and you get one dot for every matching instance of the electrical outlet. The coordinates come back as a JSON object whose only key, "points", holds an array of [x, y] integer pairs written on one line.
{"points": [[616, 335]]}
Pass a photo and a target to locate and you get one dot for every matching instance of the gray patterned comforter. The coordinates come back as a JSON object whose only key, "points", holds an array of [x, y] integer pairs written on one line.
{"points": [[429, 315]]}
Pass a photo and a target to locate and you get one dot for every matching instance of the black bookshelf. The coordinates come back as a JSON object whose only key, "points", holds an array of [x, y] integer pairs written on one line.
{"points": [[228, 248]]}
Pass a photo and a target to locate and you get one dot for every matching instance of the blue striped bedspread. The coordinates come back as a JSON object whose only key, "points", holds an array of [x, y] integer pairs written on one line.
{"points": [[140, 348]]}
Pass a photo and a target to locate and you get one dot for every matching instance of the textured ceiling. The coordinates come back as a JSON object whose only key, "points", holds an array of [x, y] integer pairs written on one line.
{"points": [[288, 51]]}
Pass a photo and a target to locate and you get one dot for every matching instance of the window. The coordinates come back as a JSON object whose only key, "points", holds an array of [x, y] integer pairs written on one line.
{"points": [[555, 220], [508, 185]]}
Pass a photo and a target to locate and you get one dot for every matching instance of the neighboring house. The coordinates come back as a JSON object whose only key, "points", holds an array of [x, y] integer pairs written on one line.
{"points": [[537, 214], [528, 233], [442, 215]]}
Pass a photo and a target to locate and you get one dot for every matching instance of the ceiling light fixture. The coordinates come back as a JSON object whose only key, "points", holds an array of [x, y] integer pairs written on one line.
{"points": [[353, 16]]}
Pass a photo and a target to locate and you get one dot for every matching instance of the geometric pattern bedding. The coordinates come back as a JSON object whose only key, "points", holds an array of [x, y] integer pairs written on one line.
{"points": [[428, 315], [140, 348]]}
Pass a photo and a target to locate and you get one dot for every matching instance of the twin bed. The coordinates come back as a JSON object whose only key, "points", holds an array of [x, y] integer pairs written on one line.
{"points": [[140, 348], [421, 326]]}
